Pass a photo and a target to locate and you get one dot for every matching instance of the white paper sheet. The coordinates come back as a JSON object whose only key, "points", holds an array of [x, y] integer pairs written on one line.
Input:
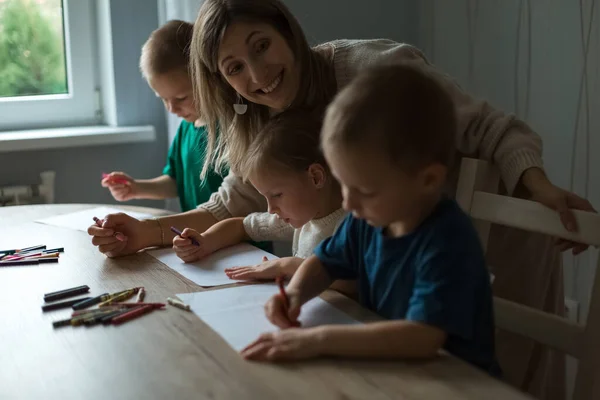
{"points": [[238, 315], [81, 220], [210, 271]]}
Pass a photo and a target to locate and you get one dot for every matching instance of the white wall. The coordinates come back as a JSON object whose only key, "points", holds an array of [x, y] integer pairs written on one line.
{"points": [[527, 57]]}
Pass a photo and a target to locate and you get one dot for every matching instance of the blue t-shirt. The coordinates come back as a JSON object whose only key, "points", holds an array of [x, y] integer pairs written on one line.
{"points": [[435, 275]]}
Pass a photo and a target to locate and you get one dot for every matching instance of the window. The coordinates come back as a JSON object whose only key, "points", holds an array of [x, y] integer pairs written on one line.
{"points": [[47, 76]]}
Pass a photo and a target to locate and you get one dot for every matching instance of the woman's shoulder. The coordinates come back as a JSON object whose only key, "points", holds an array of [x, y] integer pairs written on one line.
{"points": [[350, 56]]}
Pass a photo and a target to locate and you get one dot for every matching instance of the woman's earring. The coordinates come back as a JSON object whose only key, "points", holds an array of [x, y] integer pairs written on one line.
{"points": [[239, 107]]}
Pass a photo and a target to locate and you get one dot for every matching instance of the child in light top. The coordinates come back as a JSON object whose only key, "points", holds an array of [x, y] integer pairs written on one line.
{"points": [[388, 138], [164, 65], [285, 164]]}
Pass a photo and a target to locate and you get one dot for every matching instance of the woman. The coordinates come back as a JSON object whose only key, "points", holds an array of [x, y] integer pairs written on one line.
{"points": [[254, 55]]}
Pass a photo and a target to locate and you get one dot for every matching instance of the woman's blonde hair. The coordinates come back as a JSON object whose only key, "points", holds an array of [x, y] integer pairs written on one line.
{"points": [[215, 97], [289, 141]]}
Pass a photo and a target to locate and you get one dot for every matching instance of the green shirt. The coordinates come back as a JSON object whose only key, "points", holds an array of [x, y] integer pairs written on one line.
{"points": [[184, 164]]}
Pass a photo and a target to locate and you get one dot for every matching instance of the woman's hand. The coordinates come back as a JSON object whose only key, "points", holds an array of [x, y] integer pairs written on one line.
{"points": [[119, 234], [560, 200]]}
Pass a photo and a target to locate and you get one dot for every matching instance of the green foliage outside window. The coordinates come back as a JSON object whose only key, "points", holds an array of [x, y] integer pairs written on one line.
{"points": [[32, 48]]}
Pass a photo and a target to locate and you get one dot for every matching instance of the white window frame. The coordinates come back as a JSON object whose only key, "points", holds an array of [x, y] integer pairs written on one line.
{"points": [[80, 106]]}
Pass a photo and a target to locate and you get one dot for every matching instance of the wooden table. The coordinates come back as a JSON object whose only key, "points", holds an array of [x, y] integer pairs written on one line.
{"points": [[172, 354]]}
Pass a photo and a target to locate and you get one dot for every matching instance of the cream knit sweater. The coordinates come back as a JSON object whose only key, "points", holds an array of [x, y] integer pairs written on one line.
{"points": [[264, 227], [483, 132]]}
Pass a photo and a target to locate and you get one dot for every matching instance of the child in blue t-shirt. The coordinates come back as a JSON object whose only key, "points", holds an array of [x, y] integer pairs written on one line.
{"points": [[388, 138]]}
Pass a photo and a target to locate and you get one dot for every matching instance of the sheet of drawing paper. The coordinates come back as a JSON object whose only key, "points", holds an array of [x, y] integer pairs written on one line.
{"points": [[238, 315], [210, 271], [81, 220]]}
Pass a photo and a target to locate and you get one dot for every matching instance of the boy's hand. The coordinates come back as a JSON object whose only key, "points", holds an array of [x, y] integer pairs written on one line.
{"points": [[189, 252], [280, 313], [289, 344], [265, 271], [122, 187]]}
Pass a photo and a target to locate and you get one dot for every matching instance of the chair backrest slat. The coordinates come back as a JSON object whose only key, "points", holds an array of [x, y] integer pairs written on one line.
{"points": [[476, 194]]}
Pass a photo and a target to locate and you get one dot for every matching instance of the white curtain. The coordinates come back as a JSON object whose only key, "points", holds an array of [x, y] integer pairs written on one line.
{"points": [[178, 9]]}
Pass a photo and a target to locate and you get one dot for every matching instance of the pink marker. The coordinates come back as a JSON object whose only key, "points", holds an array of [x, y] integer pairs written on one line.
{"points": [[115, 179]]}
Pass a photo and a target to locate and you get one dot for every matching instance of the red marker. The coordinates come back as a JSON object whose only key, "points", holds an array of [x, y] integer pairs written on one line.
{"points": [[115, 179], [136, 312], [286, 299]]}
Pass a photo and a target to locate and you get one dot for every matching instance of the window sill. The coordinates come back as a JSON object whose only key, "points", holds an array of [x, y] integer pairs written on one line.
{"points": [[43, 139]]}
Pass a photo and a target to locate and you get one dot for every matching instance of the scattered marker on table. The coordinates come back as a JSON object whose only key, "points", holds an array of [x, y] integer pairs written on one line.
{"points": [[179, 233], [91, 301], [63, 304], [134, 313], [92, 312], [178, 304], [119, 297], [24, 250], [79, 320], [63, 294], [33, 255], [133, 305], [15, 263], [43, 256], [57, 250], [33, 261], [107, 319], [109, 311]]}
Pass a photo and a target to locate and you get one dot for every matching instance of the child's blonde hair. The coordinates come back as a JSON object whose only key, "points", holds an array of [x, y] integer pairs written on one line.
{"points": [[399, 109], [216, 97], [288, 142], [167, 49]]}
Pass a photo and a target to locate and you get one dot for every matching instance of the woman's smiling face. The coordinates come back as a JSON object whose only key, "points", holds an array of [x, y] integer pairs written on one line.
{"points": [[257, 61]]}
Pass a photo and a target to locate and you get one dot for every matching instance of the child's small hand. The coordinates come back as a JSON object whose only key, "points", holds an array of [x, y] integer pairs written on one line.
{"points": [[289, 344], [189, 252], [280, 313], [267, 270], [122, 187]]}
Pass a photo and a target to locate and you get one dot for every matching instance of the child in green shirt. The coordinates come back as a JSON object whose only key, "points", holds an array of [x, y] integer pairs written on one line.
{"points": [[164, 65]]}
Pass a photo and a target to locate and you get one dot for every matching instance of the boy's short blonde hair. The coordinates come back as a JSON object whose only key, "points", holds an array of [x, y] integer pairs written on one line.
{"points": [[289, 141], [398, 108], [167, 49]]}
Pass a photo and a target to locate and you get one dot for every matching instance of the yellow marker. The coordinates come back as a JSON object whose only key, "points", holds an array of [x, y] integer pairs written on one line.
{"points": [[178, 304], [46, 255], [119, 297]]}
